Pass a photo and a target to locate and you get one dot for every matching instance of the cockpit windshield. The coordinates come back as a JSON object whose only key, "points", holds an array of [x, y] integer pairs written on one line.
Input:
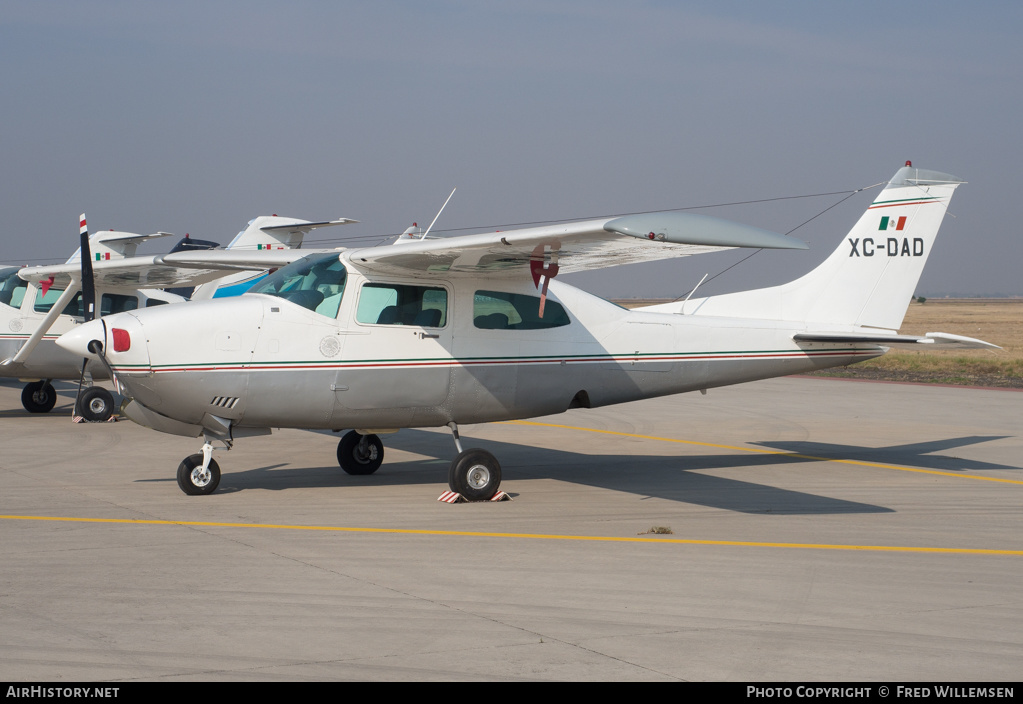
{"points": [[314, 282], [12, 287]]}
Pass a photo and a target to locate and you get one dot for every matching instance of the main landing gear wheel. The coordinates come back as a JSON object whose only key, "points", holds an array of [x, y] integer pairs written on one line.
{"points": [[96, 404], [475, 474], [360, 454], [193, 481], [38, 397]]}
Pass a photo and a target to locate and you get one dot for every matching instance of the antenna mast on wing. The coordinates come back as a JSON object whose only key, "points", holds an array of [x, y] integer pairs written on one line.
{"points": [[438, 214]]}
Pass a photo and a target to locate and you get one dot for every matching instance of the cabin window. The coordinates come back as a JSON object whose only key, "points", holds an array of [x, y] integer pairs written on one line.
{"points": [[400, 304], [12, 288], [315, 283], [496, 310], [74, 308], [111, 303]]}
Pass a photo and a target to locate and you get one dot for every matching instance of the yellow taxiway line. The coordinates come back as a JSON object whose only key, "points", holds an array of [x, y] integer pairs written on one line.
{"points": [[780, 453], [533, 536]]}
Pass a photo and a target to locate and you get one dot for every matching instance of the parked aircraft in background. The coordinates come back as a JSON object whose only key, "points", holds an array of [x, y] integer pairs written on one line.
{"points": [[473, 329], [38, 304]]}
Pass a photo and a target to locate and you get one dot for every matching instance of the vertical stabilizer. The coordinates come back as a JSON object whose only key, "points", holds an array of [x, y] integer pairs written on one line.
{"points": [[266, 232], [107, 245], [870, 278]]}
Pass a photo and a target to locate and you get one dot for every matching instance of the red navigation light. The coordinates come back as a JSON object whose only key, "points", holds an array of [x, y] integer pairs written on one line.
{"points": [[122, 340], [908, 162]]}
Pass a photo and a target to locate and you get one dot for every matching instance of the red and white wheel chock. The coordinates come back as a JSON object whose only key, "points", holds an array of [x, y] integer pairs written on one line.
{"points": [[452, 497]]}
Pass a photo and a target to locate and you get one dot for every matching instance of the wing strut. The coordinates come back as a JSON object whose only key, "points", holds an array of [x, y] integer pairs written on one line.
{"points": [[45, 325]]}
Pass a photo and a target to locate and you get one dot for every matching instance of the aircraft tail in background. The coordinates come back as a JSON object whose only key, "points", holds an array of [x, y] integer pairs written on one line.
{"points": [[266, 232]]}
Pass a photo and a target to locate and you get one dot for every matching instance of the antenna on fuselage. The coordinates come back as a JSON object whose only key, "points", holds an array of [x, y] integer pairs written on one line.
{"points": [[681, 308], [438, 214]]}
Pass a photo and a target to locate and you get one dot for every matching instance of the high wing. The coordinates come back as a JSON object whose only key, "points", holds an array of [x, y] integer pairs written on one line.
{"points": [[932, 340], [226, 259], [576, 246], [163, 271]]}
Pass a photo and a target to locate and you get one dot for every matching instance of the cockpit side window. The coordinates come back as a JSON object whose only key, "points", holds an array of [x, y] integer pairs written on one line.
{"points": [[12, 288], [45, 301], [313, 283], [497, 310], [403, 304]]}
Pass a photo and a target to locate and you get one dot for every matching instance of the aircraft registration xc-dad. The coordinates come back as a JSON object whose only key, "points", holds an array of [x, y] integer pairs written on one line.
{"points": [[472, 329]]}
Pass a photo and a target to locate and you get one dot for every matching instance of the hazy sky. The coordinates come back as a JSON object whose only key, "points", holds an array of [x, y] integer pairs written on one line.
{"points": [[197, 116]]}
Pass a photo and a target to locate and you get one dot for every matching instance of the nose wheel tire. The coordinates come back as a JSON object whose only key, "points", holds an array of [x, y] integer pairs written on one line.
{"points": [[38, 397], [193, 481], [96, 404], [360, 454], [475, 474]]}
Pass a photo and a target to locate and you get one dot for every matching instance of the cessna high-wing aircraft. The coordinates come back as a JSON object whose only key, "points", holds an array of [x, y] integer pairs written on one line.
{"points": [[472, 329], [38, 304]]}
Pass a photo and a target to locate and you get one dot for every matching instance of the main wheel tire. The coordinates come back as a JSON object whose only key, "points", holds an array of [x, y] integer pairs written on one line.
{"points": [[475, 474], [38, 397], [96, 404], [193, 481], [356, 457]]}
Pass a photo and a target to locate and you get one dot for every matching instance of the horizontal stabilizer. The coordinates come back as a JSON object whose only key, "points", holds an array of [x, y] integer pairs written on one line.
{"points": [[306, 227], [933, 340]]}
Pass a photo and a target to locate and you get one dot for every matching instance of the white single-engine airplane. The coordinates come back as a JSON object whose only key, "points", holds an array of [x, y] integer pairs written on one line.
{"points": [[40, 303], [471, 329]]}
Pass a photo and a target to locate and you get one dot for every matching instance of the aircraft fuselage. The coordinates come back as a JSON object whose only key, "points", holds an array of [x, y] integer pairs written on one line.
{"points": [[263, 361]]}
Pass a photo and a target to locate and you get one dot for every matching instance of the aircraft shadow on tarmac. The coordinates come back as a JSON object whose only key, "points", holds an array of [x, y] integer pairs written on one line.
{"points": [[675, 478], [913, 454]]}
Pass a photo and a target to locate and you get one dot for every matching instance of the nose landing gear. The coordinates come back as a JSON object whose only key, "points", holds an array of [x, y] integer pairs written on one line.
{"points": [[96, 404], [199, 474]]}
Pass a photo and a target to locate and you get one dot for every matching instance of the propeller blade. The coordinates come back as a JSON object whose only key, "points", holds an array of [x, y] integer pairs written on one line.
{"points": [[88, 283], [75, 415], [88, 303]]}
